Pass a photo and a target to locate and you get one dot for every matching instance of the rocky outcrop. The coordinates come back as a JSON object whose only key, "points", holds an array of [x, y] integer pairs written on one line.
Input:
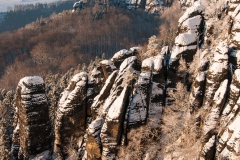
{"points": [[217, 73], [109, 108], [229, 132], [155, 6], [100, 110], [121, 55], [107, 67], [104, 93], [71, 117], [233, 11], [32, 132], [112, 128], [190, 30], [211, 121], [148, 97], [116, 105], [94, 144], [95, 84]]}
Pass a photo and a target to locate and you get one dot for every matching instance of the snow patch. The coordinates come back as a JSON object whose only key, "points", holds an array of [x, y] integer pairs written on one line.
{"points": [[201, 76], [220, 93], [185, 39], [197, 7], [127, 62], [116, 108]]}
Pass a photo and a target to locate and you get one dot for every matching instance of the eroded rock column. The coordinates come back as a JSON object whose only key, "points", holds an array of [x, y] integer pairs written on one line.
{"points": [[70, 123], [33, 125]]}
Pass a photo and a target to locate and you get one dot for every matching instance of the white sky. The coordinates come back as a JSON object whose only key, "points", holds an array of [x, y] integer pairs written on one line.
{"points": [[10, 3]]}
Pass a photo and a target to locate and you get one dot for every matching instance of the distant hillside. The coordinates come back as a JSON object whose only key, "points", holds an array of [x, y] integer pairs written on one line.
{"points": [[24, 14], [55, 44]]}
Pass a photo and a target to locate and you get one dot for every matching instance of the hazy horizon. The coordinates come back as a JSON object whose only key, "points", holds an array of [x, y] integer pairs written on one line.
{"points": [[4, 4]]}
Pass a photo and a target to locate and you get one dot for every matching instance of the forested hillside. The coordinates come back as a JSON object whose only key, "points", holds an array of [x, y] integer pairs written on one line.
{"points": [[64, 40], [24, 14]]}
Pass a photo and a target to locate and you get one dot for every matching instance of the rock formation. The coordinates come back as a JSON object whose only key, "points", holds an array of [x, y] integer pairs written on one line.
{"points": [[188, 40], [71, 117], [122, 101], [32, 131]]}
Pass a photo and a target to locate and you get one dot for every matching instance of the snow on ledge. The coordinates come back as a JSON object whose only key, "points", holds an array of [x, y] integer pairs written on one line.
{"points": [[185, 39], [126, 62], [237, 74], [120, 54], [32, 80], [220, 93], [197, 7], [79, 76], [116, 108]]}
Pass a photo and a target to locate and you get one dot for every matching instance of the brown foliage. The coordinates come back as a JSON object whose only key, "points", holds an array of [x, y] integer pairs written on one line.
{"points": [[68, 39]]}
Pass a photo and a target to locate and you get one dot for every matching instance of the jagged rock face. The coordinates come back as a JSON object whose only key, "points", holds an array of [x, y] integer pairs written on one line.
{"points": [[94, 85], [214, 98], [188, 39], [112, 128], [71, 115], [233, 11], [211, 121], [110, 106], [107, 67], [198, 86], [94, 144], [228, 146], [32, 133], [104, 93], [115, 109], [217, 72], [148, 97]]}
